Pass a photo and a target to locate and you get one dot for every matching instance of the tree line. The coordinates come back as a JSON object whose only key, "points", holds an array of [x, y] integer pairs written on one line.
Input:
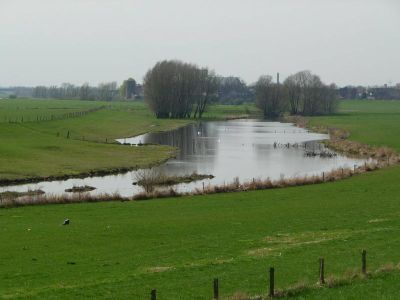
{"points": [[104, 91], [174, 89], [107, 91], [302, 93]]}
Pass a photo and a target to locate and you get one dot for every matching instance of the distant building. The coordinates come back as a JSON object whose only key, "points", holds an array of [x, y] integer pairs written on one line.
{"points": [[379, 93], [130, 88]]}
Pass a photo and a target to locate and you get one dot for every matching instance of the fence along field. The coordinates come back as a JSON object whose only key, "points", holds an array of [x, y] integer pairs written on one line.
{"points": [[300, 288], [28, 110]]}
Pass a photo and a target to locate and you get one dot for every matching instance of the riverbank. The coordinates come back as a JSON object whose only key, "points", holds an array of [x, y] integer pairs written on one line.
{"points": [[339, 142], [169, 153], [375, 158], [229, 140], [80, 146]]}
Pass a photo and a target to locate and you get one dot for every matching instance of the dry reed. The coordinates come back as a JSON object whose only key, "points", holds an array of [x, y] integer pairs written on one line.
{"points": [[8, 202]]}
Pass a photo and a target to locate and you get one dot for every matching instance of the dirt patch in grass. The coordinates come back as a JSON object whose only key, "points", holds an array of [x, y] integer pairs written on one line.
{"points": [[159, 269], [283, 241]]}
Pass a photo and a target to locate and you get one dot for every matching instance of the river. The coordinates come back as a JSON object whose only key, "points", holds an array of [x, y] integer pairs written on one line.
{"points": [[245, 149]]}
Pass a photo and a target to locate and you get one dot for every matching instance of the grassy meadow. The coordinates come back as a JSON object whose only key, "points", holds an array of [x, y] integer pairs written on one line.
{"points": [[178, 245]]}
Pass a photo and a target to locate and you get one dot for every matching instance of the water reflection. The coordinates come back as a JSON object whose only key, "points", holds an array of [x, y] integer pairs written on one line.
{"points": [[242, 148]]}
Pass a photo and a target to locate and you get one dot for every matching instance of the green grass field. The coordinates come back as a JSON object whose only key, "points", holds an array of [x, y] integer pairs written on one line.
{"points": [[178, 245]]}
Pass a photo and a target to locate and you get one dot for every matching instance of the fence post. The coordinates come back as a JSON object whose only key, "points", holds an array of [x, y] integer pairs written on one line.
{"points": [[323, 176], [216, 289], [321, 271], [153, 294], [364, 262], [271, 282]]}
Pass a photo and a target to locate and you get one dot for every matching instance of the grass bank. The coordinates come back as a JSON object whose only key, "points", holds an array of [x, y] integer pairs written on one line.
{"points": [[178, 245]]}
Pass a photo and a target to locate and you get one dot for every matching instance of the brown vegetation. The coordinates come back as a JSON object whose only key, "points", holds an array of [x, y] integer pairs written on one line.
{"points": [[151, 178], [62, 199], [7, 195]]}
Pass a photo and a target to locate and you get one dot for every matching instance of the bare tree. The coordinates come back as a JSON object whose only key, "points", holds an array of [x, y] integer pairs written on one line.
{"points": [[107, 91], [208, 87], [307, 95], [174, 89], [292, 90], [268, 97], [84, 92]]}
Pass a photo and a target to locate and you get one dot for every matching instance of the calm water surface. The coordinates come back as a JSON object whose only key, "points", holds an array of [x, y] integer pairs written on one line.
{"points": [[245, 149]]}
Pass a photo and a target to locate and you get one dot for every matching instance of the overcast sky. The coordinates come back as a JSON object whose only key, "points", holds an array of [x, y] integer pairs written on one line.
{"points": [[54, 41]]}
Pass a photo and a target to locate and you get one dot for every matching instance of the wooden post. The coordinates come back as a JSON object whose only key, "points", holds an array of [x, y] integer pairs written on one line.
{"points": [[342, 172], [323, 176], [153, 294], [354, 168], [203, 187], [271, 282], [321, 271], [216, 289], [364, 262]]}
